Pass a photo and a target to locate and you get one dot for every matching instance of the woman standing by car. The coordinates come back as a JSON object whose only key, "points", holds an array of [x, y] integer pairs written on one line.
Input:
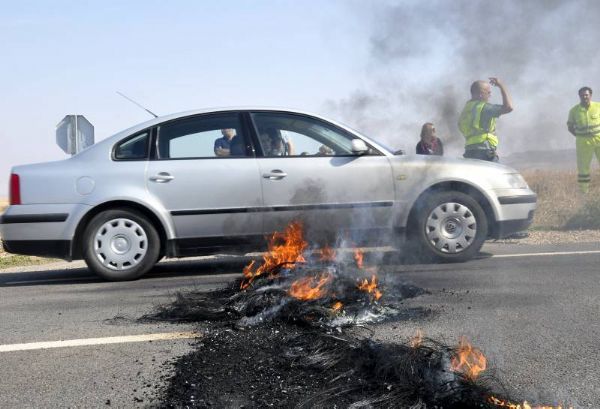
{"points": [[429, 144]]}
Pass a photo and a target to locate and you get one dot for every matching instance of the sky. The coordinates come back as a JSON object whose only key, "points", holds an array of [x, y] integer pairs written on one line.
{"points": [[383, 67]]}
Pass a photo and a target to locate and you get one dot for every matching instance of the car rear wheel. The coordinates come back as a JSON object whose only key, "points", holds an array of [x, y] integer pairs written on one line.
{"points": [[120, 244], [450, 226]]}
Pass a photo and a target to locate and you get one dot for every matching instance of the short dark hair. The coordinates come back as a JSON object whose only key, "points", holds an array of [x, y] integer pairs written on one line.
{"points": [[273, 133], [475, 88], [583, 89]]}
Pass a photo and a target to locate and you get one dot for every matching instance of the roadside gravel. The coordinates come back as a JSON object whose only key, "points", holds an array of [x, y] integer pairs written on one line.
{"points": [[555, 237]]}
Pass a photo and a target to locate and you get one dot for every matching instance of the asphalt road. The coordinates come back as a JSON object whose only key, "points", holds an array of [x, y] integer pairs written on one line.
{"points": [[533, 310]]}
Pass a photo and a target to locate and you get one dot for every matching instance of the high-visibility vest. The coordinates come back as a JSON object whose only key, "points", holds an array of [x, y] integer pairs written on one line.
{"points": [[586, 121], [470, 125]]}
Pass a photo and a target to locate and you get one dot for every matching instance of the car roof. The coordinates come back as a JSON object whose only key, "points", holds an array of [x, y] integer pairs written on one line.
{"points": [[156, 121]]}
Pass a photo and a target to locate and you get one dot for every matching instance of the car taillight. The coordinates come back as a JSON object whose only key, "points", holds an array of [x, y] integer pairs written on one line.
{"points": [[15, 189]]}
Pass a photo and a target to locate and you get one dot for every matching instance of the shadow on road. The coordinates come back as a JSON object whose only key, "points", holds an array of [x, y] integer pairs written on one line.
{"points": [[182, 268], [37, 275]]}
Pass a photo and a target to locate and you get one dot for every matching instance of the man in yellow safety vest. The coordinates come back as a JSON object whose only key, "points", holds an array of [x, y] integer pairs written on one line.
{"points": [[584, 124], [478, 120]]}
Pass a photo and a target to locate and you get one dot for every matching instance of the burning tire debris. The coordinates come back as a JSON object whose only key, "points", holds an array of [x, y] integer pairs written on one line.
{"points": [[292, 334]]}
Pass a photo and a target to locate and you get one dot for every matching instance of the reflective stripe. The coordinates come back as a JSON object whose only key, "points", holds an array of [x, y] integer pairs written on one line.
{"points": [[476, 114], [588, 128], [584, 178], [475, 139]]}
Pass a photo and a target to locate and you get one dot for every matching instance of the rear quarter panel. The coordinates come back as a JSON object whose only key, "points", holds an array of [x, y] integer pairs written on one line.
{"points": [[89, 179]]}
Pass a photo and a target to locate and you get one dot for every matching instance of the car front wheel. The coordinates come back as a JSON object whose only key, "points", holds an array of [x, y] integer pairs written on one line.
{"points": [[450, 226], [120, 244]]}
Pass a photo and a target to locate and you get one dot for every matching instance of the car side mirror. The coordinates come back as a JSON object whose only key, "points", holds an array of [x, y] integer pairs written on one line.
{"points": [[359, 147]]}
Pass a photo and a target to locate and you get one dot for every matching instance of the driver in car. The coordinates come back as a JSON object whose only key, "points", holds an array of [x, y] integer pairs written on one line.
{"points": [[275, 144]]}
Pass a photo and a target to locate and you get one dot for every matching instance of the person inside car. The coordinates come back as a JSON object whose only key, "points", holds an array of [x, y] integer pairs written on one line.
{"points": [[325, 151], [223, 145], [274, 144]]}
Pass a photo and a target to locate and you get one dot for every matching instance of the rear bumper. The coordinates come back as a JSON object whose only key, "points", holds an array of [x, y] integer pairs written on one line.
{"points": [[41, 248], [45, 230], [41, 222]]}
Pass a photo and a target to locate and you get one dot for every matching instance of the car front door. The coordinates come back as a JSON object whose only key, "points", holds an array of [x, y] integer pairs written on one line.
{"points": [[206, 176], [309, 173]]}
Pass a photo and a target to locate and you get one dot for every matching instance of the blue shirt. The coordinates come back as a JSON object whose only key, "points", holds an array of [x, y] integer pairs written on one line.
{"points": [[488, 112], [222, 143]]}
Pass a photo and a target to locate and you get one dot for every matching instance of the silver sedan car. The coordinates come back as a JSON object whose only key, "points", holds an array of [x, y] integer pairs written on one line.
{"points": [[220, 180]]}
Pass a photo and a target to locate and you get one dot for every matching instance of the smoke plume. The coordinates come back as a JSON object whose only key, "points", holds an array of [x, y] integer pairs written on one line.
{"points": [[423, 56]]}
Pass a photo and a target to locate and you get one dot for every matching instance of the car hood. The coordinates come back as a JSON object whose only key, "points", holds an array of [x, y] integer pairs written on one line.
{"points": [[445, 161]]}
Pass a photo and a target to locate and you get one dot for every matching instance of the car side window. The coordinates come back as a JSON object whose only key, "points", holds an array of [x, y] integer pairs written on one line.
{"points": [[133, 148], [213, 136], [281, 134]]}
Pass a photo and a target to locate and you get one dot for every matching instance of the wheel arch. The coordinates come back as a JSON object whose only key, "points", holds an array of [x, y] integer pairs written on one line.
{"points": [[458, 186], [77, 250]]}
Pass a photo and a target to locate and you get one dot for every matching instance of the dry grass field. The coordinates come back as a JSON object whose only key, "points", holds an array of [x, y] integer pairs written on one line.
{"points": [[3, 204], [560, 204]]}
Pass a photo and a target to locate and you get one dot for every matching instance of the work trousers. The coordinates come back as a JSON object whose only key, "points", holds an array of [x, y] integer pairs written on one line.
{"points": [[482, 154], [586, 147]]}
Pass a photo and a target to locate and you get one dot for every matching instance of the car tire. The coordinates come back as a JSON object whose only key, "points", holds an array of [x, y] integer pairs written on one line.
{"points": [[120, 245], [448, 227]]}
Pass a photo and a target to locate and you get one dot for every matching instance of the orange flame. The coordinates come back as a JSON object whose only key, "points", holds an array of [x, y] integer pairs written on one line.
{"points": [[337, 306], [524, 405], [468, 360], [417, 340], [370, 287], [285, 247], [358, 257], [310, 288], [327, 254]]}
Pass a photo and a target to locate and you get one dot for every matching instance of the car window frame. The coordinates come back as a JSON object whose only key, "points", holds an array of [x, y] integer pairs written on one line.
{"points": [[250, 151], [149, 131], [260, 153]]}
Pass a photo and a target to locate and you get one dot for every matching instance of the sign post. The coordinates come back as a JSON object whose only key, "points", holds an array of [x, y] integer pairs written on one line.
{"points": [[74, 133]]}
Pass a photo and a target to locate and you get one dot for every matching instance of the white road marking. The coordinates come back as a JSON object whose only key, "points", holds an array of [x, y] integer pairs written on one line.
{"points": [[99, 341], [553, 253]]}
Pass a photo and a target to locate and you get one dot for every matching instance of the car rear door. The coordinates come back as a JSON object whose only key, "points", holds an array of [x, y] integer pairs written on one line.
{"points": [[316, 178], [207, 196]]}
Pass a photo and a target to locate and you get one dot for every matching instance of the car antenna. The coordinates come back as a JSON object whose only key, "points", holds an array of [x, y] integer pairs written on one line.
{"points": [[131, 100]]}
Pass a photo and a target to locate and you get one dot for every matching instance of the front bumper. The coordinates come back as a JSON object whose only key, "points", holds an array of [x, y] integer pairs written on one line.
{"points": [[516, 208], [507, 227]]}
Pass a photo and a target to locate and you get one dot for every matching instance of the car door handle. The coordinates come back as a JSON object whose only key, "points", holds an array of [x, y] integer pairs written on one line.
{"points": [[275, 174], [162, 177]]}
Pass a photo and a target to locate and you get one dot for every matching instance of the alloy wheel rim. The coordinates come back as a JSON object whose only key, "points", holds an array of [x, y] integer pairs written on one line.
{"points": [[451, 228], [120, 244]]}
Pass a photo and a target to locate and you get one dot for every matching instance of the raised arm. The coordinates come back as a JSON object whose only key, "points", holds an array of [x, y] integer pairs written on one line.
{"points": [[506, 100]]}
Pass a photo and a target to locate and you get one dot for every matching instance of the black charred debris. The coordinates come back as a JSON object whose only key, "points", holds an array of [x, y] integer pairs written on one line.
{"points": [[264, 348]]}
